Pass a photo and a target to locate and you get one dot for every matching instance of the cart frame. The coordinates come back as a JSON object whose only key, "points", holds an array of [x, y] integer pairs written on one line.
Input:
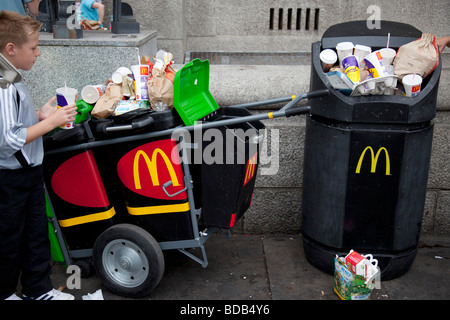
{"points": [[199, 237]]}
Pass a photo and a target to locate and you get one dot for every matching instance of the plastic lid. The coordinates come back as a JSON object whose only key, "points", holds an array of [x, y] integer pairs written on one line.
{"points": [[363, 48], [344, 46], [328, 56], [191, 96]]}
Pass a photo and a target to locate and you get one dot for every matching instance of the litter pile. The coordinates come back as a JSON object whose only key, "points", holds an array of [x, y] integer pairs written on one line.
{"points": [[357, 70]]}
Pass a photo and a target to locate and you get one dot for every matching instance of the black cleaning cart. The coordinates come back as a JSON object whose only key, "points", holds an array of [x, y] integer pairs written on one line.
{"points": [[119, 192]]}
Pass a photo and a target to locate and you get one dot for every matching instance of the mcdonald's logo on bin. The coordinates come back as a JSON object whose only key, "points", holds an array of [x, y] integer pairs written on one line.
{"points": [[374, 160], [146, 168], [251, 168]]}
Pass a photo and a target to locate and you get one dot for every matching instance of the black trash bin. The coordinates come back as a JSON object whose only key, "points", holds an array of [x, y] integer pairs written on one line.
{"points": [[366, 162]]}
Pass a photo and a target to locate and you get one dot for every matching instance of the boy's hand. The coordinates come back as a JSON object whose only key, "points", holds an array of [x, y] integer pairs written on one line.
{"points": [[63, 115], [47, 109]]}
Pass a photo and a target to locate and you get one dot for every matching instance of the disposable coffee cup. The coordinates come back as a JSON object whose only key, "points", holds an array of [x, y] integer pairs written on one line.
{"points": [[375, 64], [388, 56], [119, 74], [64, 97], [361, 52], [351, 68], [91, 94], [344, 49], [412, 84], [140, 78], [328, 58]]}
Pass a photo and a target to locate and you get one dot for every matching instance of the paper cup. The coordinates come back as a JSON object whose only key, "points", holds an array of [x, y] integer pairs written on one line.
{"points": [[374, 63], [388, 56], [328, 58], [412, 84], [140, 78], [344, 49], [91, 94], [64, 97], [351, 68], [361, 52], [119, 73]]}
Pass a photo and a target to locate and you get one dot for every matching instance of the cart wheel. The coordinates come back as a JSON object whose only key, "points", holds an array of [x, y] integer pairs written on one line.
{"points": [[85, 268], [128, 260]]}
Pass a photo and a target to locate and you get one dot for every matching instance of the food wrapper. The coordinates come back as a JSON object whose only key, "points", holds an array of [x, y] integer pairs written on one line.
{"points": [[106, 104], [128, 87], [125, 106], [349, 286]]}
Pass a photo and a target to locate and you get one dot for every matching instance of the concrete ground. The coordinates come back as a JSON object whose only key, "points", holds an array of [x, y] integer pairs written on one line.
{"points": [[273, 267]]}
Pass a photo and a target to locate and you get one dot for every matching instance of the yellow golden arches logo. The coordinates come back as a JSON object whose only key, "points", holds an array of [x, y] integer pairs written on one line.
{"points": [[152, 168], [250, 170], [374, 159]]}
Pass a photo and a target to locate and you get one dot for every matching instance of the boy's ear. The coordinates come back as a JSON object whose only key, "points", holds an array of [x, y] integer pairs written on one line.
{"points": [[10, 49]]}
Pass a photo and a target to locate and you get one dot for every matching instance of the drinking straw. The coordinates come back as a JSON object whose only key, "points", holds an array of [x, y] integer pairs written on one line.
{"points": [[389, 37]]}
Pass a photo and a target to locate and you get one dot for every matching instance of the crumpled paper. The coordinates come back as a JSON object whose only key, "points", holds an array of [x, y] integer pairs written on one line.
{"points": [[97, 295]]}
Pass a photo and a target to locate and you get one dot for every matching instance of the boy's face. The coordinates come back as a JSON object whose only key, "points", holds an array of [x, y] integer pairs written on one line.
{"points": [[24, 57]]}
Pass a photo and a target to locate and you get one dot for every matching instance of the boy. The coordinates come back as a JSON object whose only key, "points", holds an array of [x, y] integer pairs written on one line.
{"points": [[24, 244]]}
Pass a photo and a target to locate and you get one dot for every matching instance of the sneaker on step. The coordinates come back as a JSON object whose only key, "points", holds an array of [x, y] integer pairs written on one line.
{"points": [[13, 297], [52, 295]]}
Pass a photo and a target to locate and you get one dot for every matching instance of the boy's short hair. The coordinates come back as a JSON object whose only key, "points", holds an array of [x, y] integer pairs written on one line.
{"points": [[15, 28]]}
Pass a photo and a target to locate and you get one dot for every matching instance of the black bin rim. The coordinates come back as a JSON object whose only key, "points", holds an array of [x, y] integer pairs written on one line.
{"points": [[365, 109], [358, 32]]}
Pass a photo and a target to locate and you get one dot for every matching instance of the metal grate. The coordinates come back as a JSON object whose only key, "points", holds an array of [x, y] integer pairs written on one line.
{"points": [[291, 19]]}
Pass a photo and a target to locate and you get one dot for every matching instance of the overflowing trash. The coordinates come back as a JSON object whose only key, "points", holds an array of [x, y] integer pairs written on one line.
{"points": [[355, 276], [356, 70], [147, 85]]}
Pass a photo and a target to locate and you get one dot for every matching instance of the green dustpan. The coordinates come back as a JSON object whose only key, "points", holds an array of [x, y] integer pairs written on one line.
{"points": [[191, 96]]}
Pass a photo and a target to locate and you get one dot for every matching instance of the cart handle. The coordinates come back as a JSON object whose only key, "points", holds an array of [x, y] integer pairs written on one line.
{"points": [[309, 95], [169, 183], [139, 123], [295, 111]]}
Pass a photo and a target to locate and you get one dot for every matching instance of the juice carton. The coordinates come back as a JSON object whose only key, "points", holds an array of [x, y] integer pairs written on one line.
{"points": [[361, 265], [350, 286]]}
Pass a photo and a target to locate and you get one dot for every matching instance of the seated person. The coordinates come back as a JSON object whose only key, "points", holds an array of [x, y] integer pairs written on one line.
{"points": [[93, 10]]}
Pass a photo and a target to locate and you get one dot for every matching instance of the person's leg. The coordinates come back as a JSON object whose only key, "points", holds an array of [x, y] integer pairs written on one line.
{"points": [[12, 200], [35, 246]]}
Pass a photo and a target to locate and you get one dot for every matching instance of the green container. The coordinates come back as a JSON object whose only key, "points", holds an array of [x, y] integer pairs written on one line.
{"points": [[191, 96], [83, 109], [55, 247]]}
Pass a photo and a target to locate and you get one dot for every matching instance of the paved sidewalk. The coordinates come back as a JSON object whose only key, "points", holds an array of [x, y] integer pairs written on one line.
{"points": [[274, 267]]}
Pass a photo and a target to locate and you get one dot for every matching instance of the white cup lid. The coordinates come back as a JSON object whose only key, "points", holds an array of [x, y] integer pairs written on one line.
{"points": [[344, 46], [328, 56], [412, 79], [363, 48]]}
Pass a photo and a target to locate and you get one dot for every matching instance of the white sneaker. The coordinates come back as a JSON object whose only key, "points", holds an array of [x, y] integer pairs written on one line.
{"points": [[13, 297], [52, 295]]}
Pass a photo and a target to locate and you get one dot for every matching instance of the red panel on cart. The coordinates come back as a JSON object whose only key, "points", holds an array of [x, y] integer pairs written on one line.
{"points": [[78, 181], [146, 168]]}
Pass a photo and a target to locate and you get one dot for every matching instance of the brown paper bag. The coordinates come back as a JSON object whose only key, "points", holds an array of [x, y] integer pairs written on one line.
{"points": [[161, 79], [420, 56], [107, 103], [160, 86]]}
